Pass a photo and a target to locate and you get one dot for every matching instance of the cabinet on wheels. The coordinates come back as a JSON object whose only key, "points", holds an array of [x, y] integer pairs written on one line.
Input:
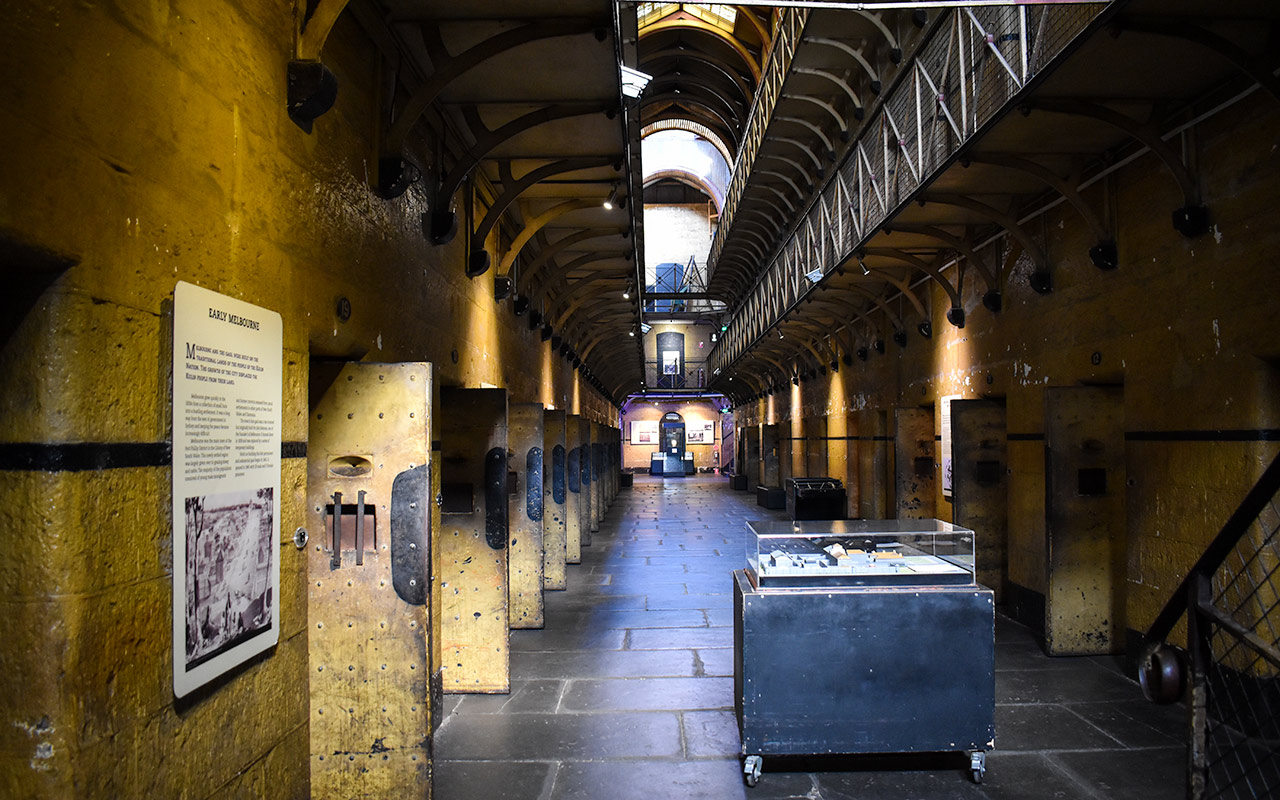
{"points": [[862, 636]]}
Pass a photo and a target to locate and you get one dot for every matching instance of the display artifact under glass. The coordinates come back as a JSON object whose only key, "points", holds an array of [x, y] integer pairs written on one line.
{"points": [[782, 554]]}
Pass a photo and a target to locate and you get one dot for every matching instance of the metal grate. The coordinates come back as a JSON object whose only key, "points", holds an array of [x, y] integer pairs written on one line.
{"points": [[1241, 724]]}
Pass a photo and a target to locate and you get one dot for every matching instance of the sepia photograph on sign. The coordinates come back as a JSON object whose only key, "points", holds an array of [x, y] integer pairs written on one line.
{"points": [[228, 569]]}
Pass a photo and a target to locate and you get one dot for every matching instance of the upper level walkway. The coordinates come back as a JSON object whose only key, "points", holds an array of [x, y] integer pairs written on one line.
{"points": [[628, 691]]}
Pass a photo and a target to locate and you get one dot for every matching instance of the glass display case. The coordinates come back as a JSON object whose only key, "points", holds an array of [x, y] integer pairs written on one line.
{"points": [[903, 552], [862, 636]]}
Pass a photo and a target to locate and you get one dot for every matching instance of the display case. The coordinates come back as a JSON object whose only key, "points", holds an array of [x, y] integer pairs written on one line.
{"points": [[862, 636], [858, 552], [816, 498]]}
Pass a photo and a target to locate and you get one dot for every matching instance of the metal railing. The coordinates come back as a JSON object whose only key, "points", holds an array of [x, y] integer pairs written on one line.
{"points": [[974, 62], [693, 376], [1232, 601], [785, 42]]}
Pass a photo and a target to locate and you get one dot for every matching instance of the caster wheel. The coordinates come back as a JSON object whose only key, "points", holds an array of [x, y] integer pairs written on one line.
{"points": [[977, 766], [751, 770]]}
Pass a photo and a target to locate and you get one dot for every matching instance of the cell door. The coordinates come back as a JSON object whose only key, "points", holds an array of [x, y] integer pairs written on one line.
{"points": [[673, 448], [915, 472], [554, 515], [474, 540], [525, 514], [837, 447], [1084, 520], [874, 455], [368, 600], [815, 448], [576, 528], [751, 441], [980, 488], [770, 456]]}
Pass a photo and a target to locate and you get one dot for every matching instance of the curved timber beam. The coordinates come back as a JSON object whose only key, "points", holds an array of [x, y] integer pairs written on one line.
{"points": [[444, 220], [1192, 219], [552, 250], [873, 75], [448, 68], [511, 189], [574, 291], [651, 63], [962, 246], [808, 151], [817, 130], [825, 106], [536, 224], [689, 102], [956, 313], [709, 29], [1103, 253], [858, 111], [314, 30], [562, 273], [1256, 68], [1041, 280]]}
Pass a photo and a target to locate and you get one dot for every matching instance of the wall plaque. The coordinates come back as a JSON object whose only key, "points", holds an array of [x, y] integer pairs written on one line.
{"points": [[227, 386]]}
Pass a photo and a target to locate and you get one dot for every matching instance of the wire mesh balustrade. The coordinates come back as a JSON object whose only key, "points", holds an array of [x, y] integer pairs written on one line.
{"points": [[1232, 601]]}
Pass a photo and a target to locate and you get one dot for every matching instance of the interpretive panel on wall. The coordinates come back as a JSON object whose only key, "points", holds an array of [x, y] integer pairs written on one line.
{"points": [[227, 384], [699, 431], [644, 431], [945, 423]]}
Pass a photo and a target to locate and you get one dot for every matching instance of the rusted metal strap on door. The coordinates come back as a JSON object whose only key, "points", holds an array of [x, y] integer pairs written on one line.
{"points": [[574, 470], [495, 498], [557, 474], [410, 542], [533, 481], [335, 559]]}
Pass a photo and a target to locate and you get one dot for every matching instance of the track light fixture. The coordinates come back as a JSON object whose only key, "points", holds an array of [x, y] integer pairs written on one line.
{"points": [[612, 199]]}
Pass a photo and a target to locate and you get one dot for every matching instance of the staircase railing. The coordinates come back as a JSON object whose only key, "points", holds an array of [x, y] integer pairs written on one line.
{"points": [[1232, 663]]}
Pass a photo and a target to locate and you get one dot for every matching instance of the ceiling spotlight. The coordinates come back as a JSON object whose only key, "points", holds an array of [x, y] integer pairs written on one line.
{"points": [[631, 332], [862, 265], [780, 333], [612, 198]]}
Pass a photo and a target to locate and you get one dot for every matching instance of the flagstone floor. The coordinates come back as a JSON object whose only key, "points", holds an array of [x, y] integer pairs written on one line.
{"points": [[628, 690]]}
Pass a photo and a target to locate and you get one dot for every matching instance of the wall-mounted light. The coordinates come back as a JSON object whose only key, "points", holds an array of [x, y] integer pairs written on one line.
{"points": [[612, 198], [633, 81]]}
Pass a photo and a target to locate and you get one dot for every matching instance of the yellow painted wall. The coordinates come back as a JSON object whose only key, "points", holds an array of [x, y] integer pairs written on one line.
{"points": [[148, 143]]}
